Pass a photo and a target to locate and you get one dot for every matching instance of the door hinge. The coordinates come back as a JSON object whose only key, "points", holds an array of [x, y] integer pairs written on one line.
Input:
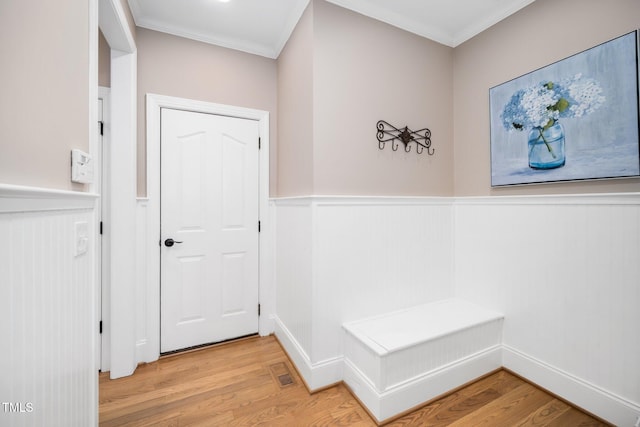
{"points": [[101, 127], [101, 326], [259, 226], [258, 309], [100, 227], [259, 143]]}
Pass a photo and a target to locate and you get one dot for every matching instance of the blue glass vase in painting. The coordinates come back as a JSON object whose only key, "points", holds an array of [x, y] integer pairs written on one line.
{"points": [[546, 147]]}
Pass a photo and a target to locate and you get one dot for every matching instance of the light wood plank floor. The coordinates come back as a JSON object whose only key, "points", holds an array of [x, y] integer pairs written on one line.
{"points": [[252, 382]]}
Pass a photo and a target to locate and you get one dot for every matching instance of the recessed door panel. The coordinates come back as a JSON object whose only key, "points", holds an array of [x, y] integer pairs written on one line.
{"points": [[192, 280], [233, 279], [191, 179], [233, 181]]}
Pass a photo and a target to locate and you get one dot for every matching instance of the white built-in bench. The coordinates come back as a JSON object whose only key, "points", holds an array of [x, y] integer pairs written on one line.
{"points": [[399, 360]]}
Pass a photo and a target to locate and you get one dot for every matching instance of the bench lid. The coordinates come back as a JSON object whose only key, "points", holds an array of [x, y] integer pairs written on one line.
{"points": [[400, 329]]}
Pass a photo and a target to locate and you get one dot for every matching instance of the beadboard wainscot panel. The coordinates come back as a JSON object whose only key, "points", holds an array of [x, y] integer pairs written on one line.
{"points": [[48, 363], [267, 269], [294, 281], [344, 258], [564, 270], [373, 255], [147, 285]]}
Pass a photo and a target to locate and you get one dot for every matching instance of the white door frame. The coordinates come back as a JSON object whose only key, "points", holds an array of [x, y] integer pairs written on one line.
{"points": [[101, 157], [154, 104], [121, 228]]}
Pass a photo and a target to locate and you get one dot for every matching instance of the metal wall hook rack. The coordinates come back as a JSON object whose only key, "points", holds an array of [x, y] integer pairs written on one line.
{"points": [[389, 133]]}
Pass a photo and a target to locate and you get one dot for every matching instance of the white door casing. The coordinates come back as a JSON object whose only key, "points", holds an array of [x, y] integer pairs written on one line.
{"points": [[149, 298], [122, 204], [97, 155], [209, 208], [101, 157]]}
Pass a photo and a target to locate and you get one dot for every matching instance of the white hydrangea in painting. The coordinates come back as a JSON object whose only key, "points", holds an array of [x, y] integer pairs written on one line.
{"points": [[540, 106], [586, 94]]}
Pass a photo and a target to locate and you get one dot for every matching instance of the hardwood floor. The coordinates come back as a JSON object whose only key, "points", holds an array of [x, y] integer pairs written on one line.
{"points": [[252, 382]]}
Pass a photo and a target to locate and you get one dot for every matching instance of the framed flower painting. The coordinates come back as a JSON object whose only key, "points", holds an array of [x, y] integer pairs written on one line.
{"points": [[575, 119]]}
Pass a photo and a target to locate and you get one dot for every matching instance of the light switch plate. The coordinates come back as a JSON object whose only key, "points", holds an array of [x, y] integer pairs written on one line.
{"points": [[81, 167], [81, 238]]}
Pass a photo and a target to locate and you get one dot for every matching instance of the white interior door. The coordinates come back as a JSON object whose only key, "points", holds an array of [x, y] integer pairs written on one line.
{"points": [[209, 208]]}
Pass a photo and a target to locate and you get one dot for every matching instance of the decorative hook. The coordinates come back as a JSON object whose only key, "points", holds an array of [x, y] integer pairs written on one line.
{"points": [[386, 132]]}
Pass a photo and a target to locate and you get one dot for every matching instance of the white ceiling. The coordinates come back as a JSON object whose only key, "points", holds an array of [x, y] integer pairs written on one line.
{"points": [[263, 27]]}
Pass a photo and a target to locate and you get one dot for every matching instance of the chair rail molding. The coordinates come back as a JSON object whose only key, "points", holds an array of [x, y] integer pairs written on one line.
{"points": [[17, 198]]}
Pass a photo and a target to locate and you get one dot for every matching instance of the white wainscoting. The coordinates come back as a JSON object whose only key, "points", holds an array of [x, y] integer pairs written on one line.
{"points": [[339, 259], [293, 281], [147, 286], [48, 301], [565, 271]]}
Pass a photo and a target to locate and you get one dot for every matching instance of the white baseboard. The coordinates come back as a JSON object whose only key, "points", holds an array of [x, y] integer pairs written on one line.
{"points": [[315, 375], [142, 347], [382, 406], [267, 325], [421, 389], [589, 397]]}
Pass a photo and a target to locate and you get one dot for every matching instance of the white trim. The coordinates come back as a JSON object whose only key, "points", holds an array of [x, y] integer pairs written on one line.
{"points": [[154, 104], [121, 229], [93, 144], [479, 26], [115, 27], [294, 350], [267, 242], [101, 157], [605, 404], [420, 389], [17, 198], [432, 32], [289, 26], [268, 50], [93, 81], [147, 349], [315, 375], [554, 199], [362, 201], [398, 20], [293, 201], [632, 198], [260, 49]]}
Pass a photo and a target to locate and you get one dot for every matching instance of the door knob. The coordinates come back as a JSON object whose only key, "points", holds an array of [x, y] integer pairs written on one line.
{"points": [[170, 242]]}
